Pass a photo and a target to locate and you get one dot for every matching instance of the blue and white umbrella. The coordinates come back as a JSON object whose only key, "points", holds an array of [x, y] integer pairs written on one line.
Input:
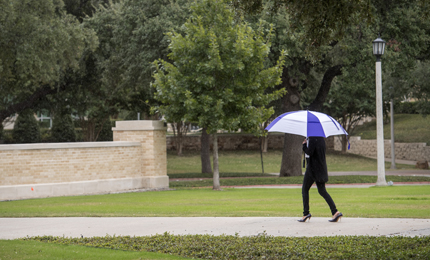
{"points": [[306, 123]]}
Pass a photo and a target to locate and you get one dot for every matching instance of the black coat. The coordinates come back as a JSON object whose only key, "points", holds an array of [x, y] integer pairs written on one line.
{"points": [[317, 165]]}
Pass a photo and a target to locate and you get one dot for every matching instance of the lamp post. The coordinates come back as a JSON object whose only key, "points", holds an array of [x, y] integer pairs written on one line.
{"points": [[393, 155], [378, 51]]}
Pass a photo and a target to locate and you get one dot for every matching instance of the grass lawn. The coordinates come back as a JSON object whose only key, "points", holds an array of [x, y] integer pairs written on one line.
{"points": [[262, 247], [23, 250], [380, 202], [347, 179], [248, 163], [408, 128]]}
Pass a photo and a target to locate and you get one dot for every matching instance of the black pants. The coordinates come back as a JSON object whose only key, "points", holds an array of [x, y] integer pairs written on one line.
{"points": [[307, 184]]}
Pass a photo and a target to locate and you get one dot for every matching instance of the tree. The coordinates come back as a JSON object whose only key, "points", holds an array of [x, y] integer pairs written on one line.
{"points": [[295, 77], [63, 128], [217, 73], [138, 38], [340, 54], [420, 86], [26, 128], [323, 21], [117, 75], [39, 43]]}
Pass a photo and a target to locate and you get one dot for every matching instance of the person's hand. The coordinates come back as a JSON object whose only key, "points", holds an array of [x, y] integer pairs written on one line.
{"points": [[304, 141]]}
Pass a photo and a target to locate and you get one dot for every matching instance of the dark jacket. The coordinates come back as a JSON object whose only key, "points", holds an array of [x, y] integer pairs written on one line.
{"points": [[317, 165]]}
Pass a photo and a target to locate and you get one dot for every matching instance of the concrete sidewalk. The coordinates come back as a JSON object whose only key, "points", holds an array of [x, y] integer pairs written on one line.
{"points": [[12, 228]]}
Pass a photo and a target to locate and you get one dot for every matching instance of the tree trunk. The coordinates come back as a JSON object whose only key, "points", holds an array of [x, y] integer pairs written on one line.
{"points": [[88, 129], [265, 143], [205, 153], [292, 156], [217, 185], [178, 134], [292, 152], [344, 144], [345, 125], [265, 139]]}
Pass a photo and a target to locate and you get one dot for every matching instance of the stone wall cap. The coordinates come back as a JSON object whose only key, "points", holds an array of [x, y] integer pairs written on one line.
{"points": [[42, 146], [139, 125]]}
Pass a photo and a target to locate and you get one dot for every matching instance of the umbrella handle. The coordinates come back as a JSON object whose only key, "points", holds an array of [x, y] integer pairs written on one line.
{"points": [[304, 161]]}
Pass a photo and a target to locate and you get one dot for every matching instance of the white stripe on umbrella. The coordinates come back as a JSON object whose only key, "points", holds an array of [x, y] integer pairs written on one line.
{"points": [[306, 123]]}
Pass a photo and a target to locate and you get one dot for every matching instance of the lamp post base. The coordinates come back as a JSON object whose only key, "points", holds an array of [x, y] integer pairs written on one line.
{"points": [[381, 183]]}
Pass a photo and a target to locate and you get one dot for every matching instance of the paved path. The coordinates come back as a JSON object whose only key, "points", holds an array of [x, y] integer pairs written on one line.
{"points": [[12, 228]]}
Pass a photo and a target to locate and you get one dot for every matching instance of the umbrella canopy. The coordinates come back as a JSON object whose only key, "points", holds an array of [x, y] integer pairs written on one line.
{"points": [[306, 123]]}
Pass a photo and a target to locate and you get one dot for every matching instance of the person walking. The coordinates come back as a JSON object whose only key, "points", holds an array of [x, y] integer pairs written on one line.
{"points": [[316, 171]]}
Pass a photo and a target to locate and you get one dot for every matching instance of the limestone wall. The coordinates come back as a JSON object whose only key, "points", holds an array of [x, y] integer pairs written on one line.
{"points": [[403, 151], [136, 159], [230, 142]]}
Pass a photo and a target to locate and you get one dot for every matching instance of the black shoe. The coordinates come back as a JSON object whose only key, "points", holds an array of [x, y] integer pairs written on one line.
{"points": [[337, 218], [308, 216]]}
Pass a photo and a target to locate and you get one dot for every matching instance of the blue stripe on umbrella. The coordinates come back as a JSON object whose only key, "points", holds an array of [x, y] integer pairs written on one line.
{"points": [[279, 118], [314, 126]]}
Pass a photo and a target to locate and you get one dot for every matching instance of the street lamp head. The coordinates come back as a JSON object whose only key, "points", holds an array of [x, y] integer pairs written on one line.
{"points": [[378, 47]]}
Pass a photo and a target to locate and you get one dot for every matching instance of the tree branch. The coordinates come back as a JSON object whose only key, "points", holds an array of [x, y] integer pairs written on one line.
{"points": [[329, 75]]}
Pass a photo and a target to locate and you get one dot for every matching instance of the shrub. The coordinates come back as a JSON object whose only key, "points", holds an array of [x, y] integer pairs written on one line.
{"points": [[406, 108], [106, 133], [26, 129], [63, 128]]}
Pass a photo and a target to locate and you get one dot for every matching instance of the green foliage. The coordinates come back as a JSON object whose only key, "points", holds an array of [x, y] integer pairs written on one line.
{"points": [[139, 39], [26, 128], [115, 77], [218, 79], [106, 133], [406, 108], [261, 247], [323, 21], [39, 43], [63, 128], [420, 87]]}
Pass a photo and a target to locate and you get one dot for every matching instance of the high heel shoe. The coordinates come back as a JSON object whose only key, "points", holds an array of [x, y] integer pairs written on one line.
{"points": [[336, 217], [308, 216]]}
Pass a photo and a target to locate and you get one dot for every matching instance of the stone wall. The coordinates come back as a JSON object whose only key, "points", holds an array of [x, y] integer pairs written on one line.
{"points": [[230, 142], [136, 159], [237, 142], [403, 151]]}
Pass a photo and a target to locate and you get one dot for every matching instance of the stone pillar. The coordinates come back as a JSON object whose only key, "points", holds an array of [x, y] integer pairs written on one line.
{"points": [[152, 136]]}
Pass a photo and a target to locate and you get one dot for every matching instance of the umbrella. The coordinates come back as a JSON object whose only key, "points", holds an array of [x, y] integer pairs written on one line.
{"points": [[306, 123]]}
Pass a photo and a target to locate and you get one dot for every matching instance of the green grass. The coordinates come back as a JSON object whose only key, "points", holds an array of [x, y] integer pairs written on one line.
{"points": [[264, 247], [179, 184], [408, 128], [23, 250], [248, 163], [380, 202]]}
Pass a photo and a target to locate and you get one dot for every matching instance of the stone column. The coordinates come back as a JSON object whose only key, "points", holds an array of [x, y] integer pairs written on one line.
{"points": [[152, 136]]}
